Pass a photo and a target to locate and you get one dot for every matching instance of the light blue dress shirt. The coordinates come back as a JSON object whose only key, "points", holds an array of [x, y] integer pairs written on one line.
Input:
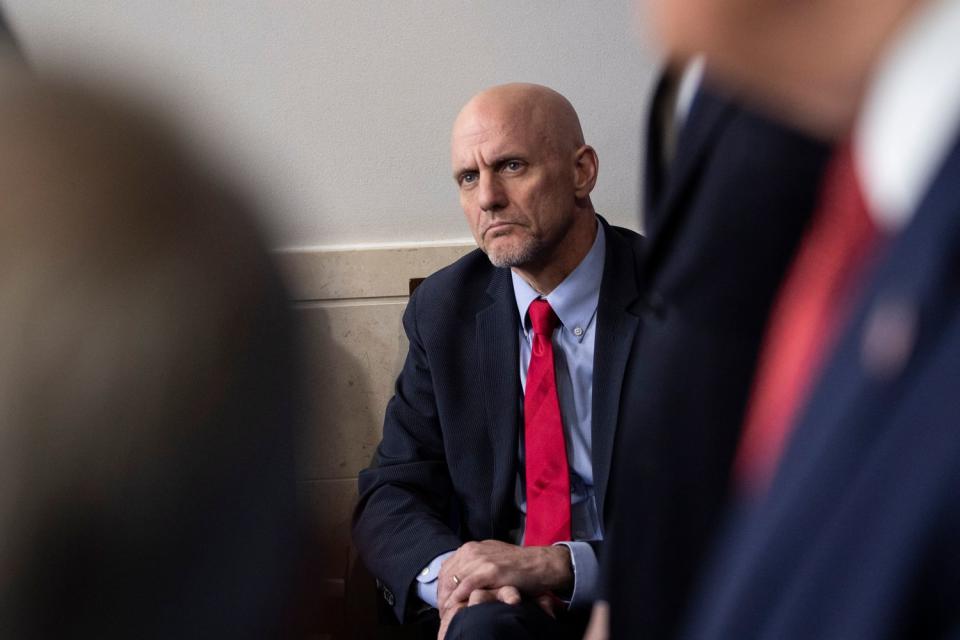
{"points": [[575, 302]]}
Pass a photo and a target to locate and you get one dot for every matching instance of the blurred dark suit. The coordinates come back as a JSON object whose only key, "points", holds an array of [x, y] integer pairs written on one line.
{"points": [[723, 222], [861, 523]]}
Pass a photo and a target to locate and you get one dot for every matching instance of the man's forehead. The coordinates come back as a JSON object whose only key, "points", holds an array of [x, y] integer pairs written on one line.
{"points": [[494, 135], [485, 119], [489, 147]]}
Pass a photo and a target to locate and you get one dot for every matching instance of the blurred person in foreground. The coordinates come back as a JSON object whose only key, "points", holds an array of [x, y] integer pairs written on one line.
{"points": [[727, 194], [148, 386], [847, 469]]}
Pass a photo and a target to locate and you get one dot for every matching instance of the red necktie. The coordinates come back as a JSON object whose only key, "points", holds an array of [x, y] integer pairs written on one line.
{"points": [[810, 309], [547, 475]]}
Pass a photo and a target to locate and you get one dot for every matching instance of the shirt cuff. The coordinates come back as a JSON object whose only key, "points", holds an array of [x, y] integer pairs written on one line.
{"points": [[586, 573], [427, 579]]}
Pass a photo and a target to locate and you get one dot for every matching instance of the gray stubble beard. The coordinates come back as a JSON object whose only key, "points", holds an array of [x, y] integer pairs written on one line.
{"points": [[518, 257]]}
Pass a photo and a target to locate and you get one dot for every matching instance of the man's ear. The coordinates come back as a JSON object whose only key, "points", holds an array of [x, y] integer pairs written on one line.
{"points": [[585, 171]]}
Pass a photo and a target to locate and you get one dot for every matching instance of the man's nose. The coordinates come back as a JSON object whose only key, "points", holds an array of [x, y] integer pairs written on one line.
{"points": [[491, 195]]}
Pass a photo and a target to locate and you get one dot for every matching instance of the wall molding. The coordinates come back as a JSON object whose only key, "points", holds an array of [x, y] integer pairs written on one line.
{"points": [[320, 275]]}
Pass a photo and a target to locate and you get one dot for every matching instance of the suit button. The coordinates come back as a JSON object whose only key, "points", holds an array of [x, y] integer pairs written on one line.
{"points": [[888, 338], [388, 596]]}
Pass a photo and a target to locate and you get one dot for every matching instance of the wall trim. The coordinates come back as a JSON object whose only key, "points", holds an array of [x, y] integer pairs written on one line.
{"points": [[379, 271]]}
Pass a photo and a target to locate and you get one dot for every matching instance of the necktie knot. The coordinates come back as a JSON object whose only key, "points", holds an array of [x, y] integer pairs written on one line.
{"points": [[542, 318]]}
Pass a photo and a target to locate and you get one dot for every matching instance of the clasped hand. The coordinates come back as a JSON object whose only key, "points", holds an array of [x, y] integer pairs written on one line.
{"points": [[490, 570]]}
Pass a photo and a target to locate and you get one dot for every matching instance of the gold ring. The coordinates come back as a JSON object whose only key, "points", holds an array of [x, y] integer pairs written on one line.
{"points": [[456, 580]]}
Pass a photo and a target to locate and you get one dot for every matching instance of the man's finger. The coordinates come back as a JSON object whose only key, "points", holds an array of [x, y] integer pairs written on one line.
{"points": [[599, 627], [548, 603], [448, 580], [480, 574], [480, 596], [445, 587], [447, 618], [508, 595], [468, 585]]}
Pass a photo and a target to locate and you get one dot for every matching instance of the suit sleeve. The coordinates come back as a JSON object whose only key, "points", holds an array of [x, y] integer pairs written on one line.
{"points": [[405, 512]]}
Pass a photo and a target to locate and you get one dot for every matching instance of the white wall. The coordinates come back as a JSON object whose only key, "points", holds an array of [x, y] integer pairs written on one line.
{"points": [[339, 110]]}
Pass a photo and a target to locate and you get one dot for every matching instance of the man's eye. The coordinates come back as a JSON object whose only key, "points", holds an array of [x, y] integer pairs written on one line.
{"points": [[468, 178], [513, 165]]}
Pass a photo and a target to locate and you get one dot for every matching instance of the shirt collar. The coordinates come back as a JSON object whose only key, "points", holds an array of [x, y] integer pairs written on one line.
{"points": [[911, 115], [690, 83], [575, 299]]}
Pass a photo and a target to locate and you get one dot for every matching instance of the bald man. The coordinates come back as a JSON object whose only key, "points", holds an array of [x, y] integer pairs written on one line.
{"points": [[446, 519]]}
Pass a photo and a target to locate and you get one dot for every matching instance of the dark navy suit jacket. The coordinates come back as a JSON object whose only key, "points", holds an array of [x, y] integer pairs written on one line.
{"points": [[446, 470], [722, 225], [859, 534]]}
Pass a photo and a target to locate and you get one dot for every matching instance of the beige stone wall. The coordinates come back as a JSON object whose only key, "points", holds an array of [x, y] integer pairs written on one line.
{"points": [[350, 304]]}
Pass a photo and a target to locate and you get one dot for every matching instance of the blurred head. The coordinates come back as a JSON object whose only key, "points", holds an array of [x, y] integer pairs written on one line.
{"points": [[807, 60], [147, 382], [525, 176]]}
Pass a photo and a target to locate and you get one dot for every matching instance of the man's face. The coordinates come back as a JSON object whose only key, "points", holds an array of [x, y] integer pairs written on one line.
{"points": [[516, 185]]}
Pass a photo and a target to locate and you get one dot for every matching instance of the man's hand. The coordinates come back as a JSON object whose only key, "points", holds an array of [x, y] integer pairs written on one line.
{"points": [[507, 595], [491, 564]]}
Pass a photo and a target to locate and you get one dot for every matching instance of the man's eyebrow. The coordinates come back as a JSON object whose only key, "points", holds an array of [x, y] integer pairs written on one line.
{"points": [[499, 162], [495, 160], [459, 171]]}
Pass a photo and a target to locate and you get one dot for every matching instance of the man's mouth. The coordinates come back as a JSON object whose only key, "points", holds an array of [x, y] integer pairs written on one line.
{"points": [[498, 228]]}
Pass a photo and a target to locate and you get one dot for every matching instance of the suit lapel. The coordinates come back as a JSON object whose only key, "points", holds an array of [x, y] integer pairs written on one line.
{"points": [[498, 348], [704, 123], [616, 328], [654, 172]]}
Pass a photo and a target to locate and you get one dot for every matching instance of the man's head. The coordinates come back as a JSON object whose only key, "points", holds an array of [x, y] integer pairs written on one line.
{"points": [[147, 381], [808, 60], [524, 175]]}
